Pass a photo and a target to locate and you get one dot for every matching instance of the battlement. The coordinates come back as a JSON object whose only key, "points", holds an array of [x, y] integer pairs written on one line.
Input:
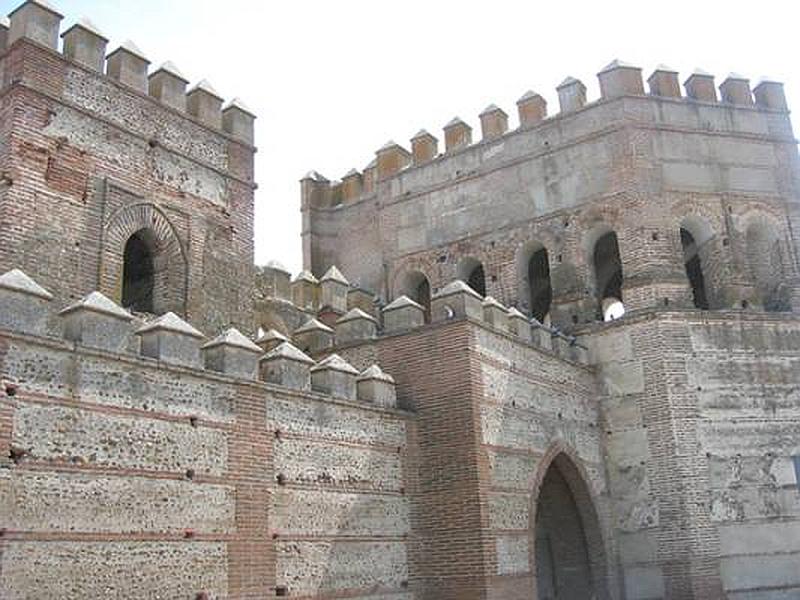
{"points": [[617, 80], [334, 315], [96, 322], [38, 22]]}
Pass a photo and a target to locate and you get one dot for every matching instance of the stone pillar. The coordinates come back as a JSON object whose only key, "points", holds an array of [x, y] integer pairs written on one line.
{"points": [[457, 135], [402, 314], [273, 281], [286, 366], [664, 82], [363, 299], [571, 95], [736, 90], [336, 377], [532, 109], [769, 94], [424, 147], [239, 121], [233, 354], [172, 340], [351, 186], [37, 21], [495, 314], [700, 86], [4, 25], [205, 104], [355, 326], [518, 325], [270, 339], [313, 337], [494, 122], [24, 304], [333, 287], [97, 322], [620, 79], [86, 45], [456, 300], [392, 158], [305, 291], [128, 65], [168, 85], [376, 387]]}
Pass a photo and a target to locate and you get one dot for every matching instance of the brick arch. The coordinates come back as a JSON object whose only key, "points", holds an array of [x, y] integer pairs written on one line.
{"points": [[169, 255], [767, 259], [562, 457]]}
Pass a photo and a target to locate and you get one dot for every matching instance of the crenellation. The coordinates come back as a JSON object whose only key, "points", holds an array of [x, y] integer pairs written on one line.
{"points": [[532, 109], [36, 20], [352, 185], [85, 44], [620, 79], [494, 122], [571, 95], [391, 159], [424, 147], [168, 85], [205, 104], [128, 65], [664, 82], [735, 89], [5, 24], [769, 94], [457, 135], [700, 86], [239, 121], [96, 321]]}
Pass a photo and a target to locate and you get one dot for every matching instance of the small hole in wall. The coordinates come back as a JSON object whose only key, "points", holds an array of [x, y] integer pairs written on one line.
{"points": [[559, 258], [725, 241], [193, 421], [442, 258], [575, 319], [494, 278], [275, 535], [666, 301], [730, 209], [655, 236], [16, 455], [404, 584], [491, 244], [278, 434], [745, 304], [201, 596], [190, 474], [566, 223], [11, 390], [152, 142], [281, 590], [188, 533], [281, 479]]}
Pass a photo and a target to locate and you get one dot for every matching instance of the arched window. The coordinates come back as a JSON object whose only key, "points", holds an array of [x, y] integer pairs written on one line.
{"points": [[765, 260], [694, 268], [471, 271], [138, 272], [608, 276], [535, 292], [416, 286]]}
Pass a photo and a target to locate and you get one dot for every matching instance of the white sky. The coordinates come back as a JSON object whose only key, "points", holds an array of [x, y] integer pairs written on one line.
{"points": [[332, 81]]}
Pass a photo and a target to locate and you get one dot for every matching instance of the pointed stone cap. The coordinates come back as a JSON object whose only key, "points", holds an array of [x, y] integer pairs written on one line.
{"points": [[237, 103], [736, 76], [86, 25], [5, 22], [569, 81], [315, 176], [402, 302], [288, 352], [375, 372], [334, 274], [272, 335], [335, 363], [662, 68], [618, 64], [204, 86], [306, 276], [455, 122], [513, 313], [97, 302], [313, 325], [276, 265], [170, 68], [529, 95], [457, 287], [353, 314], [169, 322], [19, 282], [131, 48], [351, 173], [41, 4], [491, 301], [492, 108], [372, 164], [232, 337], [423, 133]]}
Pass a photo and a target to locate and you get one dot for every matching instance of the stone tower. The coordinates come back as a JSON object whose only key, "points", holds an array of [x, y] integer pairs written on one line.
{"points": [[121, 180]]}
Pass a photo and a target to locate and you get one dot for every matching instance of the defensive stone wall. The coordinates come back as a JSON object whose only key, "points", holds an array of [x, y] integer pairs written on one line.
{"points": [[139, 459], [640, 165], [116, 151]]}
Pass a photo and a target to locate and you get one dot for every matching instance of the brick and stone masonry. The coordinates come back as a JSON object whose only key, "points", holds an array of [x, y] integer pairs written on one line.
{"points": [[558, 362]]}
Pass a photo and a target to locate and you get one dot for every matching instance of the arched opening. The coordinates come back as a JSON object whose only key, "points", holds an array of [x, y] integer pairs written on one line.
{"points": [[471, 271], [694, 269], [536, 292], [569, 555], [608, 275], [765, 260], [416, 286], [138, 272]]}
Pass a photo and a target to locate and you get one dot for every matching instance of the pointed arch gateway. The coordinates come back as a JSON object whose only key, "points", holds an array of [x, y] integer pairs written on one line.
{"points": [[143, 262], [567, 553]]}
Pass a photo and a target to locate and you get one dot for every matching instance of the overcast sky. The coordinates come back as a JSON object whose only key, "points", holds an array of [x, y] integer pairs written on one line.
{"points": [[332, 81]]}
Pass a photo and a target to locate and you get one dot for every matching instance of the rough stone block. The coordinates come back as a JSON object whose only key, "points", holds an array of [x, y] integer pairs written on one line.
{"points": [[270, 339], [333, 289], [355, 326], [336, 377], [97, 322], [168, 85], [494, 122], [205, 104], [314, 336], [402, 314], [700, 86], [770, 94], [233, 354], [457, 135], [128, 65], [456, 300], [171, 339], [305, 291], [664, 82], [571, 95], [519, 325], [35, 20], [286, 366], [620, 79], [532, 109], [239, 121], [495, 314], [24, 304], [424, 147], [736, 90], [377, 387], [86, 45]]}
